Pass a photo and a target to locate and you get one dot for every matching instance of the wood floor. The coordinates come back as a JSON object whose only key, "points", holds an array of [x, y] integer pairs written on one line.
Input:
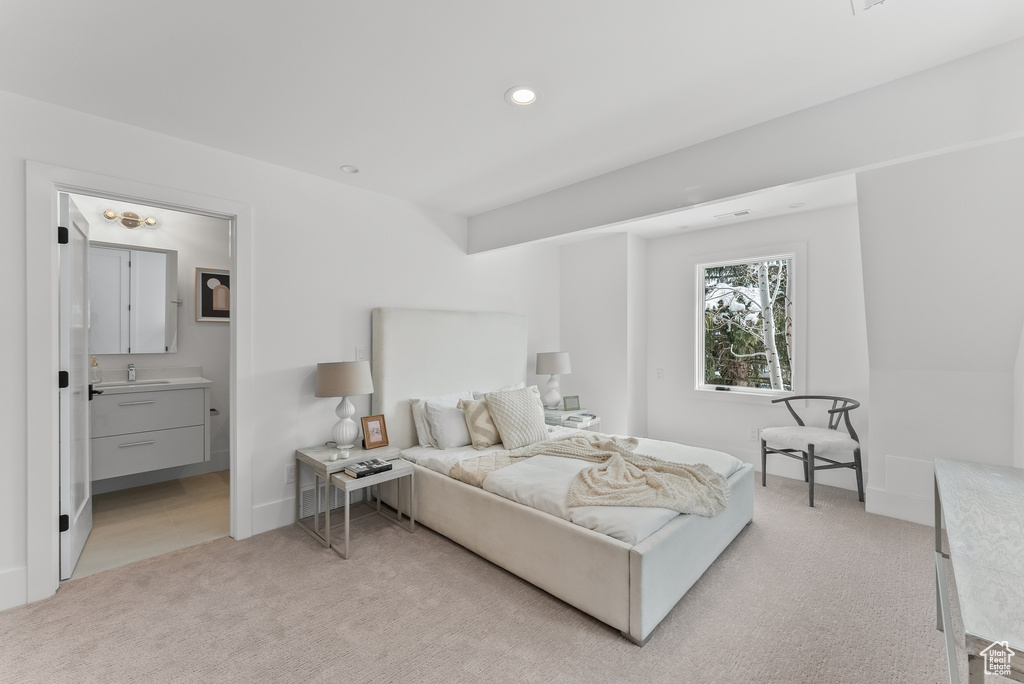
{"points": [[142, 522]]}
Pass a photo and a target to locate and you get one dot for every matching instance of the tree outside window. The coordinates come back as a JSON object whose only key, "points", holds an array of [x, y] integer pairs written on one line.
{"points": [[748, 323]]}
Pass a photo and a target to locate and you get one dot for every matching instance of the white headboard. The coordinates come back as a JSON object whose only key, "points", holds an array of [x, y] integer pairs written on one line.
{"points": [[420, 352]]}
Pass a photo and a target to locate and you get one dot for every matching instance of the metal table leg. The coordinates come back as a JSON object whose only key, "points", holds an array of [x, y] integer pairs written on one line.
{"points": [[345, 555]]}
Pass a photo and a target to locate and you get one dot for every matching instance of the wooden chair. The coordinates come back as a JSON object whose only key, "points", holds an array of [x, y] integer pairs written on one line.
{"points": [[808, 444]]}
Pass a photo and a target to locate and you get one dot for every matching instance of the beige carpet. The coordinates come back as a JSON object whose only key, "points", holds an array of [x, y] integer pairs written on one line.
{"points": [[829, 594]]}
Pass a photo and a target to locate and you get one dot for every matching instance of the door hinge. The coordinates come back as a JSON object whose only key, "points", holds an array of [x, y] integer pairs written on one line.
{"points": [[62, 235], [65, 523], [63, 380]]}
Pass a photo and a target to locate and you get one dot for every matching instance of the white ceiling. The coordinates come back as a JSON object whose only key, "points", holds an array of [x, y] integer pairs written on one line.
{"points": [[786, 199], [412, 92]]}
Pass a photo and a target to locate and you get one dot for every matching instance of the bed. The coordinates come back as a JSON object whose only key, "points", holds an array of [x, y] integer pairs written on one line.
{"points": [[630, 587]]}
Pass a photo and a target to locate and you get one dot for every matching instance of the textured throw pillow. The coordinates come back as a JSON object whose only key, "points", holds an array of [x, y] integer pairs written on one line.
{"points": [[519, 416], [447, 424], [482, 431]]}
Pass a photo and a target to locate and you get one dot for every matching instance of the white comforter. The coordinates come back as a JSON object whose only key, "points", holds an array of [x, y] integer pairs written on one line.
{"points": [[542, 482]]}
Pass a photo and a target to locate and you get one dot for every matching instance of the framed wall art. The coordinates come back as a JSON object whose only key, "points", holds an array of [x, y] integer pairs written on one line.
{"points": [[213, 295]]}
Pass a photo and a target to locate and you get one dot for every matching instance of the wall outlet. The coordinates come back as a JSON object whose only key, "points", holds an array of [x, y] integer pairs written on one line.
{"points": [[661, 373], [289, 474], [753, 434], [360, 353]]}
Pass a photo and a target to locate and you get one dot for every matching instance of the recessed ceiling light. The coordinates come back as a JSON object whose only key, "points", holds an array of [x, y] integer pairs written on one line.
{"points": [[741, 212], [797, 205], [348, 168], [521, 95]]}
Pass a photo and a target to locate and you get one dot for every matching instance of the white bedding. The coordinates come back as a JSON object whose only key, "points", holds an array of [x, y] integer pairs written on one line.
{"points": [[542, 482]]}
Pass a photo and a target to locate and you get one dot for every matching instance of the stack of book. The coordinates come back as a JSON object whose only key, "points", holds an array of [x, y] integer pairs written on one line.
{"points": [[367, 468], [580, 418]]}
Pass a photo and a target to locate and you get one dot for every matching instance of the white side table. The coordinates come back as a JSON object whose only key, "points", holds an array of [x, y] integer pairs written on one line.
{"points": [[325, 461], [400, 470]]}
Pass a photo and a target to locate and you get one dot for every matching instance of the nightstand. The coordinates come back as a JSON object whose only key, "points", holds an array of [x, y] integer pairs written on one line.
{"points": [[556, 417], [325, 461], [400, 470]]}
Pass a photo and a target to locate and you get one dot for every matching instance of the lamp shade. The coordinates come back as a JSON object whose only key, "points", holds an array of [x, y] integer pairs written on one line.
{"points": [[343, 379], [553, 363]]}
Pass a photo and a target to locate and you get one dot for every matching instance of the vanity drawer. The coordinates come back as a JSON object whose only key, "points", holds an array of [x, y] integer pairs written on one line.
{"points": [[143, 451], [120, 414]]}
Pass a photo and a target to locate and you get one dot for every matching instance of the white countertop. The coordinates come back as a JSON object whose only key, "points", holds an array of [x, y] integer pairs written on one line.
{"points": [[153, 385]]}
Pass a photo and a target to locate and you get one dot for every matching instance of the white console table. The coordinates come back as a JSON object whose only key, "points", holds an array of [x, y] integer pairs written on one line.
{"points": [[983, 506]]}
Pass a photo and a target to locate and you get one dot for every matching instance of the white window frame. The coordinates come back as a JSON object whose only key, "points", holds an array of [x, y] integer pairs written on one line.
{"points": [[797, 253]]}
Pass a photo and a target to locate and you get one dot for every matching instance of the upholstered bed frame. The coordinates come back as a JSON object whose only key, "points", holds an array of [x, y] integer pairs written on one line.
{"points": [[419, 353]]}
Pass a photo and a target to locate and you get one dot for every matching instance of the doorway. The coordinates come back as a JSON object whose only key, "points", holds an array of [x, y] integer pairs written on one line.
{"points": [[151, 499], [43, 183]]}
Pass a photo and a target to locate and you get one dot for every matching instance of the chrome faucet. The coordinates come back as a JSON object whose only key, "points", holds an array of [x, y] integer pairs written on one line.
{"points": [[131, 372]]}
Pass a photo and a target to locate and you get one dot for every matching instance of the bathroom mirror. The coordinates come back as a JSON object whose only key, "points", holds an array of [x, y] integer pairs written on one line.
{"points": [[133, 299]]}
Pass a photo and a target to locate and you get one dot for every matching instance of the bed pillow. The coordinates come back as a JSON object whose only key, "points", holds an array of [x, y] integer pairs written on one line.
{"points": [[447, 424], [518, 415], [419, 414], [419, 419], [482, 431]]}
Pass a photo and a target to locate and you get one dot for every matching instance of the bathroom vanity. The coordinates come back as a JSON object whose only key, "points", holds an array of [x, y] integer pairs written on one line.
{"points": [[149, 424]]}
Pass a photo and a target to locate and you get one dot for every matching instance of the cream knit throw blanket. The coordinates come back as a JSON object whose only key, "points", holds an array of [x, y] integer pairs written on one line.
{"points": [[625, 478]]}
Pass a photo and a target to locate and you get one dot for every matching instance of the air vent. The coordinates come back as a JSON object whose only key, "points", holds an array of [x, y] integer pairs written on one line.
{"points": [[742, 212], [307, 497]]}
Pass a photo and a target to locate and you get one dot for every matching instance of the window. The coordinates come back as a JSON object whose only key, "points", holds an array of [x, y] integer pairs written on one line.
{"points": [[746, 340]]}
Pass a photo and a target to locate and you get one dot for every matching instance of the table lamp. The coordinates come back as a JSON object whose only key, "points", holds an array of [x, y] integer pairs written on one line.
{"points": [[344, 379], [553, 364]]}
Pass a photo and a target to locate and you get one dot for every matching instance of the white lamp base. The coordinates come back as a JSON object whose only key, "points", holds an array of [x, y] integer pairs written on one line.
{"points": [[346, 430], [551, 397]]}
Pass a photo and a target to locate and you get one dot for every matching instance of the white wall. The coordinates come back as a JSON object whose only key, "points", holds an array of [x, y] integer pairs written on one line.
{"points": [[324, 254], [974, 99], [594, 311], [200, 241], [942, 242], [636, 337], [835, 340], [1018, 406], [604, 329]]}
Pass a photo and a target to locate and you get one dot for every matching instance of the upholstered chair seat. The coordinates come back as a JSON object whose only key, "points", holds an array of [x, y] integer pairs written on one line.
{"points": [[813, 444], [825, 441]]}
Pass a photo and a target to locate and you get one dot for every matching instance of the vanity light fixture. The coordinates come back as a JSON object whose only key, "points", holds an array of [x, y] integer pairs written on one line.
{"points": [[129, 219], [521, 95]]}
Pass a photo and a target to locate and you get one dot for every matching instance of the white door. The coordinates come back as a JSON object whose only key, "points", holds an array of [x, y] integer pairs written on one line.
{"points": [[75, 461]]}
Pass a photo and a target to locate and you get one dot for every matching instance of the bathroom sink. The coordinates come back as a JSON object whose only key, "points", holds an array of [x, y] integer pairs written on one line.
{"points": [[132, 384]]}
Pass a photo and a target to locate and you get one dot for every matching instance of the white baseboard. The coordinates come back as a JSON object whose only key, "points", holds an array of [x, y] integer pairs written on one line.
{"points": [[915, 509], [794, 470], [13, 588], [273, 515]]}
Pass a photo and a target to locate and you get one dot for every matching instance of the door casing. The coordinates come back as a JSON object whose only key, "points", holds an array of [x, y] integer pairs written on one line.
{"points": [[43, 182]]}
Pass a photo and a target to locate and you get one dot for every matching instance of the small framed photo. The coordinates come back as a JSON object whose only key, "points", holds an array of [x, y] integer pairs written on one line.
{"points": [[571, 403], [213, 295], [375, 433]]}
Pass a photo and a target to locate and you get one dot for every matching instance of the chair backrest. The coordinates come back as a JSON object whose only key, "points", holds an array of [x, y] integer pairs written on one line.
{"points": [[840, 411]]}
